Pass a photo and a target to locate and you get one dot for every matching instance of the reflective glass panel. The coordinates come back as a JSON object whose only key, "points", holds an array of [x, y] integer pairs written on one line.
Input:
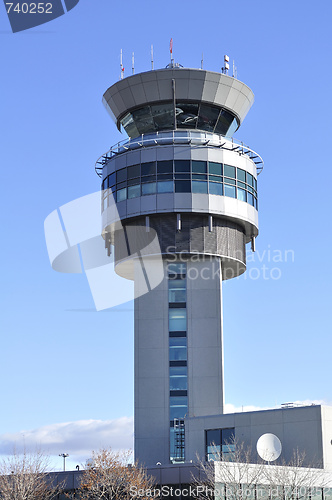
{"points": [[133, 182], [250, 199], [200, 187], [134, 191], [165, 167], [186, 115], [183, 176], [178, 378], [121, 195], [215, 168], [250, 180], [215, 188], [177, 349], [182, 186], [163, 116], [177, 290], [165, 177], [207, 117], [177, 320], [213, 437], [129, 125], [182, 165], [225, 124], [241, 194], [256, 203], [134, 171], [165, 186], [241, 175], [229, 171], [215, 178], [242, 185], [178, 412], [149, 188], [121, 175], [199, 177], [143, 120], [229, 181], [148, 178], [228, 435], [199, 167], [229, 191], [148, 168], [111, 180]]}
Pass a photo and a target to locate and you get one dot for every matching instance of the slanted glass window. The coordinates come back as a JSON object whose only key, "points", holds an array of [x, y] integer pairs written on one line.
{"points": [[229, 171], [215, 168], [134, 191], [121, 175], [177, 320], [199, 187], [134, 171], [226, 124], [182, 176], [182, 165], [129, 125], [186, 115], [165, 167], [121, 195], [229, 181], [207, 117], [177, 348], [199, 177], [199, 167], [143, 120], [176, 290], [149, 188], [148, 168], [215, 188], [165, 186], [163, 116], [178, 378], [230, 191]]}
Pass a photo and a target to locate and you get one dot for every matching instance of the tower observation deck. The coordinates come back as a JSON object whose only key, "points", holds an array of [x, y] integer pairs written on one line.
{"points": [[179, 175]]}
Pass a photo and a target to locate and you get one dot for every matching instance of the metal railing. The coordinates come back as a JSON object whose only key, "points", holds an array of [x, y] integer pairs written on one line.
{"points": [[200, 139]]}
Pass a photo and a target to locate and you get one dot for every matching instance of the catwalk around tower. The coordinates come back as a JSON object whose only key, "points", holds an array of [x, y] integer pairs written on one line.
{"points": [[180, 177]]}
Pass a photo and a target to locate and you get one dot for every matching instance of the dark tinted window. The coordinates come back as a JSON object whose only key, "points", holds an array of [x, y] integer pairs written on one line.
{"points": [[182, 165], [148, 168]]}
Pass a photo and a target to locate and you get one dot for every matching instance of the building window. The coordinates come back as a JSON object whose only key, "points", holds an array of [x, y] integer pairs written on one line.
{"points": [[182, 176], [219, 443], [178, 371]]}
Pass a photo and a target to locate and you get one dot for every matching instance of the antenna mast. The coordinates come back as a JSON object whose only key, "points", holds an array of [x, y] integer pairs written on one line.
{"points": [[121, 65], [133, 63], [202, 61], [152, 57], [171, 52]]}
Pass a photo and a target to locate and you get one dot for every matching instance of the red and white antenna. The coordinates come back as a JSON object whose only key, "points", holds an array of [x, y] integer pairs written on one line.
{"points": [[121, 66], [171, 51]]}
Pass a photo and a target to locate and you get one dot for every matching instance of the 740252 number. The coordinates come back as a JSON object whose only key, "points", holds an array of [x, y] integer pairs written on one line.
{"points": [[30, 8]]}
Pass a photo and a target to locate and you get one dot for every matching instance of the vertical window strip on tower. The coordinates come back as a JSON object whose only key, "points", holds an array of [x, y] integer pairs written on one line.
{"points": [[178, 375]]}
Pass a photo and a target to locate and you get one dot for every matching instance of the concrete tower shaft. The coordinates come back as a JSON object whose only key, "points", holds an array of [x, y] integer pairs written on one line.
{"points": [[182, 177]]}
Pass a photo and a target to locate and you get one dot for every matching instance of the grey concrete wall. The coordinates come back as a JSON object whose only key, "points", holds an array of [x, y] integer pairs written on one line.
{"points": [[205, 355], [205, 361], [297, 428]]}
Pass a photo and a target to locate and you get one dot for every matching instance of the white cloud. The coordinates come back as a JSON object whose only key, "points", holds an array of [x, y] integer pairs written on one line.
{"points": [[230, 408], [76, 438]]}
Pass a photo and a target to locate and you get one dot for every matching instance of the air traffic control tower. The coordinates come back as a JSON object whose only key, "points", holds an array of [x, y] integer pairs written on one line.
{"points": [[182, 177]]}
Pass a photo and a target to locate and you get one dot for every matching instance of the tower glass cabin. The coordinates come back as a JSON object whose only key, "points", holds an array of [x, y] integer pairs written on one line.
{"points": [[180, 177]]}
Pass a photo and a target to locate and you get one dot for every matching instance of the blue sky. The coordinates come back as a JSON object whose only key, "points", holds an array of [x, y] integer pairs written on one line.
{"points": [[64, 363]]}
